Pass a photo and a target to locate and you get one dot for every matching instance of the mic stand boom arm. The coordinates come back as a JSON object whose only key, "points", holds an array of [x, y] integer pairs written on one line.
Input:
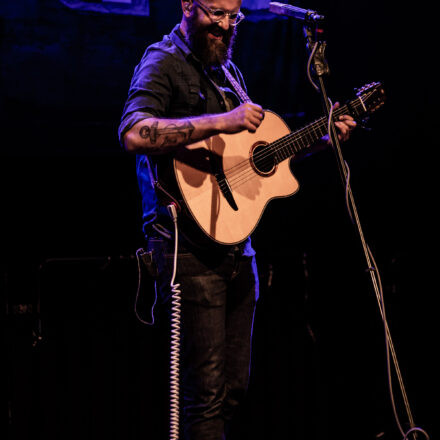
{"points": [[316, 49]]}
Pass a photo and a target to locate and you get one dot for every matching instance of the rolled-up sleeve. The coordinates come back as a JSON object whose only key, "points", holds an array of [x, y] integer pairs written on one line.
{"points": [[150, 90]]}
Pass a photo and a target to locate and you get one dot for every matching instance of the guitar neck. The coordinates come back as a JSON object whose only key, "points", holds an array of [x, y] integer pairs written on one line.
{"points": [[303, 138]]}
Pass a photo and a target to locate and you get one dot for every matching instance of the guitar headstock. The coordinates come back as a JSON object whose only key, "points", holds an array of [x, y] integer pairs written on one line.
{"points": [[369, 99]]}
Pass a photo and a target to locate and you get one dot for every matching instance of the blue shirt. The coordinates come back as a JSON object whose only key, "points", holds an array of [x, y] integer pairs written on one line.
{"points": [[170, 82]]}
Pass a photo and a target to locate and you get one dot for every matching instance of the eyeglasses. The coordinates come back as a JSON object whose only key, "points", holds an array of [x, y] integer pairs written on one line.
{"points": [[219, 14]]}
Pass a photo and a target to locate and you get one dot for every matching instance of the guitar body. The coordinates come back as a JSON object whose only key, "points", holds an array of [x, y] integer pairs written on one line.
{"points": [[226, 181]]}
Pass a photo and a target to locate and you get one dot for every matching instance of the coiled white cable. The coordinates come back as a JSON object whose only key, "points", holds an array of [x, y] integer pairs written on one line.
{"points": [[175, 339]]}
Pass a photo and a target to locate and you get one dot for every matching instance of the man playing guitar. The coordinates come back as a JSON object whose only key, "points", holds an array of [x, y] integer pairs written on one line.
{"points": [[182, 111]]}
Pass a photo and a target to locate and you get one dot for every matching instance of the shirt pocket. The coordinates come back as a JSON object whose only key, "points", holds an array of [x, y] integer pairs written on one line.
{"points": [[196, 100]]}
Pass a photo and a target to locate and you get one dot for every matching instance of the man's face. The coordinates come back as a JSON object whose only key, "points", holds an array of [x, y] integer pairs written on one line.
{"points": [[212, 42]]}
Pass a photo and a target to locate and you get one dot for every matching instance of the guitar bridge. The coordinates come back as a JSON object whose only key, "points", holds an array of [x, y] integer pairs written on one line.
{"points": [[226, 190]]}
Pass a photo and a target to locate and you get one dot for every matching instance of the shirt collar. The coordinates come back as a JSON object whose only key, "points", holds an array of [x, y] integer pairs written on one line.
{"points": [[177, 38]]}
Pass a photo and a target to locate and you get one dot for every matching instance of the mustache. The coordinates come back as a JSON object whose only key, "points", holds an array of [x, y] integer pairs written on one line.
{"points": [[219, 30], [227, 34]]}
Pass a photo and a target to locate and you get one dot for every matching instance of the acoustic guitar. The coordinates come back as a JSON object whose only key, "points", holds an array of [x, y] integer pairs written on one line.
{"points": [[226, 181]]}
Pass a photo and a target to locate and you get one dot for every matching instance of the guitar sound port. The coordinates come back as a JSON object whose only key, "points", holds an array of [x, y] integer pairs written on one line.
{"points": [[262, 159]]}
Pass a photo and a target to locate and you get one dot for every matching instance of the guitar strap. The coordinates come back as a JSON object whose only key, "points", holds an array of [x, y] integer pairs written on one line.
{"points": [[236, 86]]}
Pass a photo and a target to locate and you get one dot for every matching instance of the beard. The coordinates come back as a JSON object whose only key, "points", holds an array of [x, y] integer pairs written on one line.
{"points": [[210, 51]]}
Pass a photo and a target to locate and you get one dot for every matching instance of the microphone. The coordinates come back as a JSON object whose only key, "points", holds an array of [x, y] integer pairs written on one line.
{"points": [[298, 13]]}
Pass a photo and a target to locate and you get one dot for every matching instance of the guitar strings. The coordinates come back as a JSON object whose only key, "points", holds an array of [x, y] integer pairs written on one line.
{"points": [[239, 173], [291, 139], [273, 148], [286, 141], [239, 177]]}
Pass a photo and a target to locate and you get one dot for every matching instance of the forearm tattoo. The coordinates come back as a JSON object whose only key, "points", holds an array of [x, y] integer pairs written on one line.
{"points": [[169, 135]]}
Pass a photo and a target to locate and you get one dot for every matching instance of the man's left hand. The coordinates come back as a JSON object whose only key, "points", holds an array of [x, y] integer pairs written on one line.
{"points": [[345, 125]]}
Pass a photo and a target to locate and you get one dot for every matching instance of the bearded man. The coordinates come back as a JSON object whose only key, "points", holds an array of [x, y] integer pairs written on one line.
{"points": [[182, 92]]}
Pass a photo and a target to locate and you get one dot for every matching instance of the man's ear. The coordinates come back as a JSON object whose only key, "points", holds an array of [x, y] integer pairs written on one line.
{"points": [[187, 6]]}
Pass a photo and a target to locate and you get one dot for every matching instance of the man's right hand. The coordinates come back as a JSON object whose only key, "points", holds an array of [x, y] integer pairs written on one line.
{"points": [[158, 136], [245, 117]]}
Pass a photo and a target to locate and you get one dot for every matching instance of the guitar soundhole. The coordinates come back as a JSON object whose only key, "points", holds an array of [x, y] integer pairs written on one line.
{"points": [[262, 159]]}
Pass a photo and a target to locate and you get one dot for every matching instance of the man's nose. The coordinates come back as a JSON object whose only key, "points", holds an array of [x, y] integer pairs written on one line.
{"points": [[224, 23]]}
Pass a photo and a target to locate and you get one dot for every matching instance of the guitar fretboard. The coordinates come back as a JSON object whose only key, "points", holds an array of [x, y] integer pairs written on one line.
{"points": [[303, 138]]}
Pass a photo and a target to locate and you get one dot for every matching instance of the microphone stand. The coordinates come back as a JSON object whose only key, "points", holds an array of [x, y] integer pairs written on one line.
{"points": [[316, 48]]}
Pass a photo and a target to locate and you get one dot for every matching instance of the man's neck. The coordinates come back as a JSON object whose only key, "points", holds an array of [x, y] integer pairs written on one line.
{"points": [[183, 28]]}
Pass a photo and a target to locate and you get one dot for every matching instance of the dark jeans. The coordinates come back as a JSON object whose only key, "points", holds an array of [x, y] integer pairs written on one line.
{"points": [[219, 293]]}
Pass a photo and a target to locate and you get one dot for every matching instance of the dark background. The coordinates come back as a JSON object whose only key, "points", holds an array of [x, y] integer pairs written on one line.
{"points": [[79, 364]]}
